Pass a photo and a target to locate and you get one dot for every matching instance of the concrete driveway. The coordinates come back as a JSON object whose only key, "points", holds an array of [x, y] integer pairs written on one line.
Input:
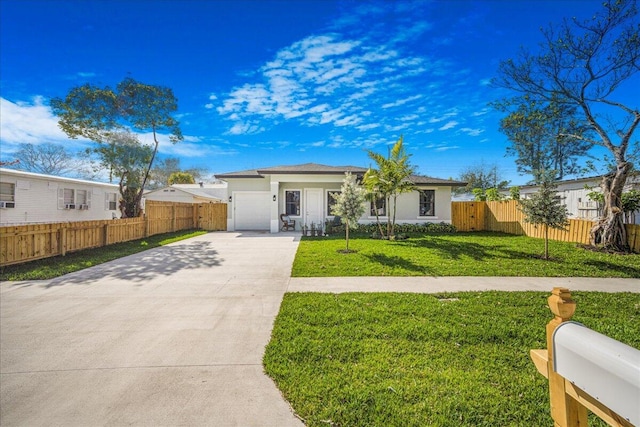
{"points": [[172, 336]]}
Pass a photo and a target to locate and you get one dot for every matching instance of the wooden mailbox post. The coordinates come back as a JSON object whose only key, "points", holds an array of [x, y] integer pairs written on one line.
{"points": [[569, 403]]}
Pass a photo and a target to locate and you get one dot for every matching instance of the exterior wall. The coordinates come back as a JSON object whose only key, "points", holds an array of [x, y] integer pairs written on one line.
{"points": [[170, 195], [408, 204], [36, 199]]}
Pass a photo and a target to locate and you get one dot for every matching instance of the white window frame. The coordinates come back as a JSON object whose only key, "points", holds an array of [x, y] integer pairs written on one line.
{"points": [[372, 213], [420, 192], [286, 202], [108, 202], [8, 197]]}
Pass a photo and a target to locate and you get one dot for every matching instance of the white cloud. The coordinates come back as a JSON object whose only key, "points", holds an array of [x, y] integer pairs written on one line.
{"points": [[402, 101], [449, 125], [472, 132], [446, 148]]}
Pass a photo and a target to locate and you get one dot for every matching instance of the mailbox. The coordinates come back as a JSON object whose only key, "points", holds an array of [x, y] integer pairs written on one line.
{"points": [[606, 369]]}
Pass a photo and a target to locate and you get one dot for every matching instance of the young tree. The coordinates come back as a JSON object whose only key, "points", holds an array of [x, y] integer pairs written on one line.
{"points": [[163, 168], [586, 64], [544, 208], [96, 113], [181, 178], [349, 204], [389, 180], [544, 136]]}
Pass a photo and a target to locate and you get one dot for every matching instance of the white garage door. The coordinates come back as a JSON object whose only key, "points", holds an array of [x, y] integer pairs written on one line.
{"points": [[252, 210]]}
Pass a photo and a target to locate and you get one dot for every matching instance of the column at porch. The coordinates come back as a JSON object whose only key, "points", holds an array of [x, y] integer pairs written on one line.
{"points": [[275, 203]]}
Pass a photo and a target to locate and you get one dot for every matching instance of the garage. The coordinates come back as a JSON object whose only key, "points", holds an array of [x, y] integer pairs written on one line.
{"points": [[252, 210]]}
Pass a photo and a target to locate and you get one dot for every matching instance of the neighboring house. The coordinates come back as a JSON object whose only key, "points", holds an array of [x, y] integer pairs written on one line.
{"points": [[258, 197], [27, 197], [190, 193], [574, 195]]}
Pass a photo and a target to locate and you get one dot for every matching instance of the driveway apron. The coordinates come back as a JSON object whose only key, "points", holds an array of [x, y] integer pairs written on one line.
{"points": [[171, 336]]}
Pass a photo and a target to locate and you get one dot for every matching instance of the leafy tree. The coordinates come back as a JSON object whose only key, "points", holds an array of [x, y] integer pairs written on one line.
{"points": [[545, 136], [96, 113], [481, 176], [349, 204], [544, 208], [479, 195], [584, 64], [163, 168], [388, 181], [125, 157], [514, 193], [630, 204], [494, 195], [49, 159], [181, 178]]}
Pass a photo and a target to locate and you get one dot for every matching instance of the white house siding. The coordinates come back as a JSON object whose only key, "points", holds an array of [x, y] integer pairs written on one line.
{"points": [[279, 184], [171, 196], [37, 199]]}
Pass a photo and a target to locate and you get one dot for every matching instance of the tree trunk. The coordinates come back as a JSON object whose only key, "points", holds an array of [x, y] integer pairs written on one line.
{"points": [[546, 242], [610, 232], [347, 234]]}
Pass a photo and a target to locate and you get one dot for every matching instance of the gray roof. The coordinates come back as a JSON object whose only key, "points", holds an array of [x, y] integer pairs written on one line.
{"points": [[318, 169]]}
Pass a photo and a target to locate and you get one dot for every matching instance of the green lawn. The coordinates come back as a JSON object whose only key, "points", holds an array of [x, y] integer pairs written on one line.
{"points": [[49, 268], [457, 254], [423, 360]]}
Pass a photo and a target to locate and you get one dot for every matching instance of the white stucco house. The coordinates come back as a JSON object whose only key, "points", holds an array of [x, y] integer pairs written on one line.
{"points": [[258, 197], [574, 195], [27, 197], [190, 193]]}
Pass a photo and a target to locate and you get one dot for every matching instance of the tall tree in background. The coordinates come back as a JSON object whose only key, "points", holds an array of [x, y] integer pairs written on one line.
{"points": [[349, 204], [586, 64], [125, 158], [164, 168], [50, 159], [181, 178], [481, 176], [389, 179], [545, 208], [96, 113], [545, 136]]}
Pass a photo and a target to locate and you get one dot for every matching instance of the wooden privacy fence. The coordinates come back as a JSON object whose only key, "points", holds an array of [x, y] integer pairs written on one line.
{"points": [[507, 218], [30, 242]]}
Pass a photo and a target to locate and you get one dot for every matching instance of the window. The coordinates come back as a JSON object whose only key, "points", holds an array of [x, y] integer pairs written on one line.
{"points": [[427, 203], [292, 202], [81, 197], [111, 201], [7, 192], [69, 196], [380, 206], [331, 201]]}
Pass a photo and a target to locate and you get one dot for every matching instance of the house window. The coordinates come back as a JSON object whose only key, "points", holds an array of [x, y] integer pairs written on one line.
{"points": [[331, 201], [69, 196], [292, 202], [81, 197], [7, 192], [111, 201], [427, 203], [379, 206]]}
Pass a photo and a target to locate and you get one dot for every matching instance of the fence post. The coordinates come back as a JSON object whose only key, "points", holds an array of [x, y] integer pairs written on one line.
{"points": [[63, 240], [565, 410], [105, 238]]}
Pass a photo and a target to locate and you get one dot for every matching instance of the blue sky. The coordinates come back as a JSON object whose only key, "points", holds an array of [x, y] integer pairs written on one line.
{"points": [[265, 83]]}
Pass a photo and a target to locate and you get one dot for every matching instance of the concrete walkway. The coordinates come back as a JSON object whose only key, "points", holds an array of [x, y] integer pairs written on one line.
{"points": [[172, 336], [175, 335], [458, 284]]}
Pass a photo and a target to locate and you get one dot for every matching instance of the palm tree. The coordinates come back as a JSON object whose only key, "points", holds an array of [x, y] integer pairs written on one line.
{"points": [[390, 179]]}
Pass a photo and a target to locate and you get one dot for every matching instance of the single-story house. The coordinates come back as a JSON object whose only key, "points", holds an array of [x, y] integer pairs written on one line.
{"points": [[574, 195], [27, 197], [258, 197], [190, 193]]}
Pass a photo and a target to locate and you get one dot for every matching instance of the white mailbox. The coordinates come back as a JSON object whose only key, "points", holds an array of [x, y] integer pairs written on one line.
{"points": [[606, 369]]}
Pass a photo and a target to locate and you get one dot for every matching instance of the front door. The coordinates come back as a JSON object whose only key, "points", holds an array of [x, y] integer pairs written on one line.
{"points": [[313, 206]]}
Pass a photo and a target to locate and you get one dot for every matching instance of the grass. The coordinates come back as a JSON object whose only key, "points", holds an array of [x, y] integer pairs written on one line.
{"points": [[49, 268], [426, 360], [457, 254]]}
